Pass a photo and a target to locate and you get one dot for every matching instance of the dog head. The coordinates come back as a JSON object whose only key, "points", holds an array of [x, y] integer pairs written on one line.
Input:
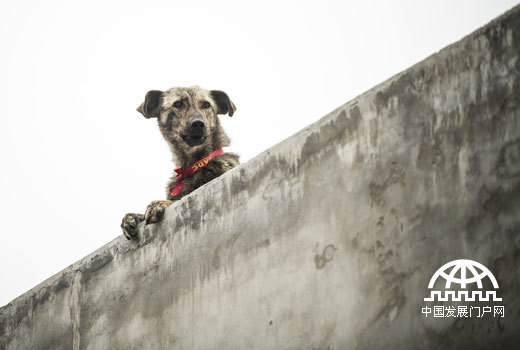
{"points": [[188, 119]]}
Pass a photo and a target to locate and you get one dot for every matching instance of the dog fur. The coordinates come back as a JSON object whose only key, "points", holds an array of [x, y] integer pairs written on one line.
{"points": [[177, 111]]}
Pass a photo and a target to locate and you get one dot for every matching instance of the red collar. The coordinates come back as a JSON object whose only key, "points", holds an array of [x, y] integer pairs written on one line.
{"points": [[192, 169]]}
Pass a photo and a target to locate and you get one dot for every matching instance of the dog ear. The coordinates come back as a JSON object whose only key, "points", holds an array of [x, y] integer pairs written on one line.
{"points": [[150, 107], [225, 106]]}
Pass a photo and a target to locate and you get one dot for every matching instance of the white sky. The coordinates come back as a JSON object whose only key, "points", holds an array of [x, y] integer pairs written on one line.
{"points": [[75, 155]]}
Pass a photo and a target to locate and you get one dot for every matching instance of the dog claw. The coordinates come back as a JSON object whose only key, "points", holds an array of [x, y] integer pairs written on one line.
{"points": [[130, 223], [155, 211]]}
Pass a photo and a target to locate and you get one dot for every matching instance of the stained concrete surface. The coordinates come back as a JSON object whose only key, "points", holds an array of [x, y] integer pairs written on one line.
{"points": [[327, 240]]}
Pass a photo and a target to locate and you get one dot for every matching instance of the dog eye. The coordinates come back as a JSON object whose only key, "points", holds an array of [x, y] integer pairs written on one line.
{"points": [[178, 104], [205, 105]]}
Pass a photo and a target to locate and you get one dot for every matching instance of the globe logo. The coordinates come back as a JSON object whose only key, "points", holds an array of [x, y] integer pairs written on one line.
{"points": [[464, 266], [470, 272]]}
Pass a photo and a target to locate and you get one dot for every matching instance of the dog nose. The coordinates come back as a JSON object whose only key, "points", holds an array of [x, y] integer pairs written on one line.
{"points": [[197, 125]]}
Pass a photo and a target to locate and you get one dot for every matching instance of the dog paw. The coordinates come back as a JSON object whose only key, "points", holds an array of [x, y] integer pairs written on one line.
{"points": [[155, 211], [129, 224]]}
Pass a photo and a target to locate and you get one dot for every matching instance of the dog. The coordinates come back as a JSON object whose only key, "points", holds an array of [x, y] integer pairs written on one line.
{"points": [[187, 118]]}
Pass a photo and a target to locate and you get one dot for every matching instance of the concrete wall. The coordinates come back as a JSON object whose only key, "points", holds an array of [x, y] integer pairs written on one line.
{"points": [[327, 240]]}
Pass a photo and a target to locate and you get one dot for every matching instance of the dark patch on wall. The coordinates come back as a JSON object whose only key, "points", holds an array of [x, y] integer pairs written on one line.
{"points": [[377, 187], [430, 155], [239, 182], [178, 223], [500, 200], [95, 264], [374, 131], [326, 256], [253, 182], [497, 211], [396, 88], [264, 244], [99, 261], [190, 215], [508, 164], [23, 311], [497, 37], [41, 297], [336, 132], [62, 284], [510, 102], [215, 261], [393, 299], [352, 123]]}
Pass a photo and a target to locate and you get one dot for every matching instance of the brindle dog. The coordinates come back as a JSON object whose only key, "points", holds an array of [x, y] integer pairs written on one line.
{"points": [[187, 118]]}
